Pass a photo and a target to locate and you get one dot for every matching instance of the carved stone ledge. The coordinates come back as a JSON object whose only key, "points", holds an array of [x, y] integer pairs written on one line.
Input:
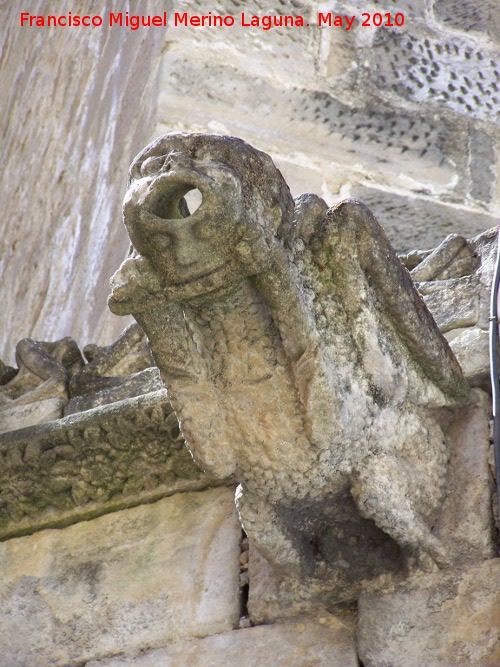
{"points": [[88, 464]]}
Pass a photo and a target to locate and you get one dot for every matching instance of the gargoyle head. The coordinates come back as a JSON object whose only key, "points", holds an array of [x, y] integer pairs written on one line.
{"points": [[244, 202]]}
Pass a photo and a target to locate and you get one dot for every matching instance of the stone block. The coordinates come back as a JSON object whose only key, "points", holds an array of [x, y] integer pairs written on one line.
{"points": [[69, 148], [136, 384], [450, 618], [471, 348], [422, 66], [21, 416], [246, 42], [411, 8], [129, 581], [469, 15], [454, 303], [482, 163], [466, 524], [486, 247], [325, 641], [303, 125], [413, 222], [263, 593]]}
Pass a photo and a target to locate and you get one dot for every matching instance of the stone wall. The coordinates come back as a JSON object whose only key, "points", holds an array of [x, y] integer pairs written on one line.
{"points": [[405, 119], [110, 569], [78, 104]]}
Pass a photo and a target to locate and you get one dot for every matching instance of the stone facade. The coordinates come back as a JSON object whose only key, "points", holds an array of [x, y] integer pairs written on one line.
{"points": [[117, 550], [129, 581], [343, 113], [80, 103], [404, 119]]}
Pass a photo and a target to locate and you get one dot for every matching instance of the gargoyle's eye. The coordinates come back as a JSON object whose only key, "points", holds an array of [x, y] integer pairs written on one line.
{"points": [[152, 165]]}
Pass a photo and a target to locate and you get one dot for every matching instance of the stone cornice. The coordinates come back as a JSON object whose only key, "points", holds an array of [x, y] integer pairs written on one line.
{"points": [[94, 462]]}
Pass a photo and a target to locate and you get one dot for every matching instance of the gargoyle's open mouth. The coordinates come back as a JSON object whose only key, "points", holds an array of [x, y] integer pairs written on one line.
{"points": [[174, 176], [166, 198]]}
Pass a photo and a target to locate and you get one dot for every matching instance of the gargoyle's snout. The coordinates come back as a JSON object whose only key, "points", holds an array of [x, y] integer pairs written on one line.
{"points": [[176, 159], [161, 164]]}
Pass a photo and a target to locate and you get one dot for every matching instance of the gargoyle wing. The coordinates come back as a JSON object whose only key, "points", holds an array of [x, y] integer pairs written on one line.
{"points": [[352, 239]]}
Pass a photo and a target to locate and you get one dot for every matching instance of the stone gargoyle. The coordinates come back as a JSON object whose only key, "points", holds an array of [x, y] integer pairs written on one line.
{"points": [[298, 357]]}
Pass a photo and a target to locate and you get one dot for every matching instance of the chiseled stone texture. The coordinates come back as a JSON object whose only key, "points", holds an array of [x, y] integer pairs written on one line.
{"points": [[431, 220], [130, 581], [326, 641], [470, 15], [94, 462], [78, 103], [407, 112], [451, 618]]}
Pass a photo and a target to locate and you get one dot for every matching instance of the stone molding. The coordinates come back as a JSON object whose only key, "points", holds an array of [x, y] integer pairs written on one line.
{"points": [[98, 461]]}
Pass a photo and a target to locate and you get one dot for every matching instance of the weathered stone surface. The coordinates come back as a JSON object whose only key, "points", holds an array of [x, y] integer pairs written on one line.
{"points": [[482, 164], [471, 348], [331, 121], [77, 104], [457, 290], [439, 259], [301, 126], [451, 618], [128, 386], [44, 372], [326, 641], [431, 220], [263, 592], [458, 295], [486, 247], [454, 303], [22, 416], [92, 463], [127, 355], [388, 111], [466, 523], [280, 60], [57, 369], [469, 15], [259, 305], [130, 581], [416, 66]]}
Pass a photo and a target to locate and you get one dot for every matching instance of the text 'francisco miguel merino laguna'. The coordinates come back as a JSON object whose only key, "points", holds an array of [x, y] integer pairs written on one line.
{"points": [[210, 20]]}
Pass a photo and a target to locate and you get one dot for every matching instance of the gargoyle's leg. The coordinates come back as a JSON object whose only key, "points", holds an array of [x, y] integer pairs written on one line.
{"points": [[382, 494], [269, 535]]}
